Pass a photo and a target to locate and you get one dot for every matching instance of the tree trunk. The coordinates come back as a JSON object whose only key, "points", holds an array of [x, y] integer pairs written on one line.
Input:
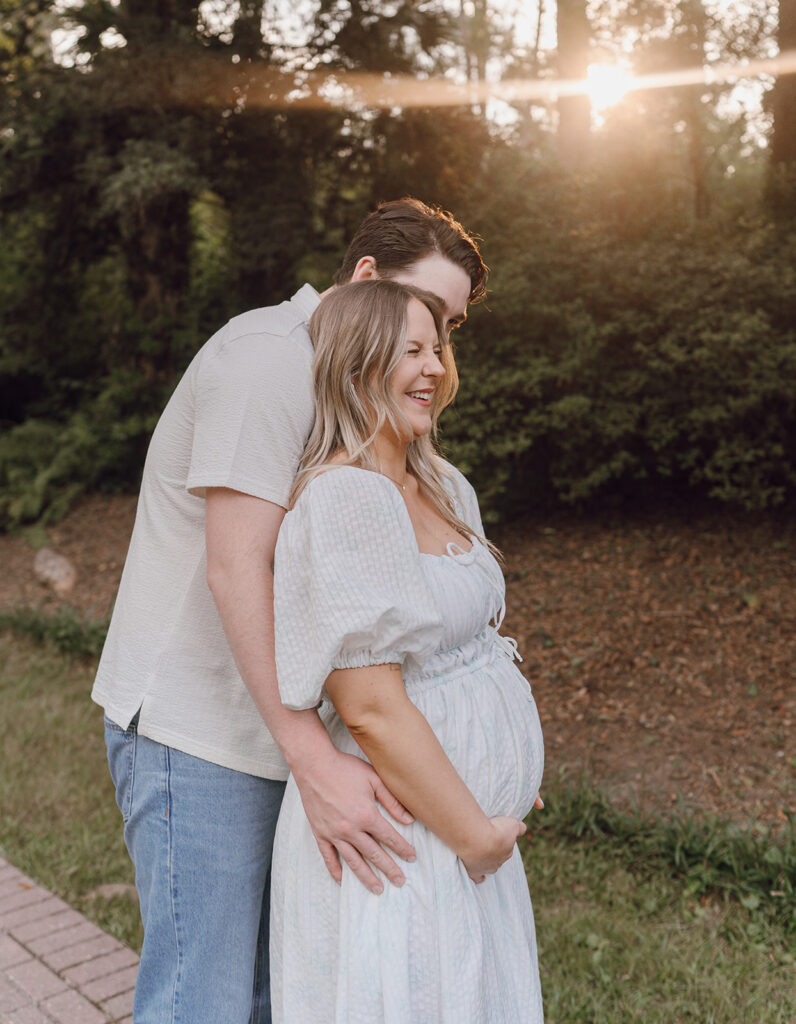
{"points": [[537, 42], [474, 30], [693, 55], [782, 171], [145, 21], [574, 112], [248, 40], [155, 227]]}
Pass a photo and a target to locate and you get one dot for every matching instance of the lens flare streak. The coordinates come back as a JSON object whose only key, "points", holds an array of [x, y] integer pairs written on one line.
{"points": [[215, 82]]}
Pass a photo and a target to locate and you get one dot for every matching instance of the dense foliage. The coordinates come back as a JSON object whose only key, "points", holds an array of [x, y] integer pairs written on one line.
{"points": [[635, 361], [165, 174]]}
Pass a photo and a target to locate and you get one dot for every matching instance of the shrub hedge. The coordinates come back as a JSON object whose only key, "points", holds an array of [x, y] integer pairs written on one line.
{"points": [[625, 352]]}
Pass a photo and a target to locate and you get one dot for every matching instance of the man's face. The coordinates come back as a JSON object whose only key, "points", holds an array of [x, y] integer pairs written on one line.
{"points": [[448, 281]]}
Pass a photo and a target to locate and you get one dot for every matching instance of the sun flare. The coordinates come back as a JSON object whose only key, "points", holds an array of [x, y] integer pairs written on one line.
{"points": [[606, 84]]}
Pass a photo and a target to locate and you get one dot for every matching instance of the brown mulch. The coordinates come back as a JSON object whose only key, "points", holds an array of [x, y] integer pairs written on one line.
{"points": [[663, 657], [662, 654], [93, 536]]}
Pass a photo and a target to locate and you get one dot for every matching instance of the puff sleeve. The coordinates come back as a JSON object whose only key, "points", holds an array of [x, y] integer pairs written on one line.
{"points": [[349, 589]]}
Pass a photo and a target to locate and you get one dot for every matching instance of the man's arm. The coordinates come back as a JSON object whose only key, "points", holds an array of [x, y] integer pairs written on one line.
{"points": [[338, 791]]}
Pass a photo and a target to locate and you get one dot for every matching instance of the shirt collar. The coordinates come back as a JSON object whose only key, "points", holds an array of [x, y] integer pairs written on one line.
{"points": [[307, 299]]}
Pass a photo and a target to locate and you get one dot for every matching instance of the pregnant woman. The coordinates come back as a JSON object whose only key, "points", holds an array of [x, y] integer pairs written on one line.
{"points": [[388, 601]]}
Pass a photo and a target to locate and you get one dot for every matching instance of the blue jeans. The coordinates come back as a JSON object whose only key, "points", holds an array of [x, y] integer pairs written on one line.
{"points": [[200, 837]]}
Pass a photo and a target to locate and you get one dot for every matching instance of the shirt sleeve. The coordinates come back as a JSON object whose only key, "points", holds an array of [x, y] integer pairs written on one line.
{"points": [[253, 413], [349, 589]]}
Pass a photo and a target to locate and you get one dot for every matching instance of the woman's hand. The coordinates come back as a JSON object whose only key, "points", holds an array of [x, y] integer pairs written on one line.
{"points": [[494, 848]]}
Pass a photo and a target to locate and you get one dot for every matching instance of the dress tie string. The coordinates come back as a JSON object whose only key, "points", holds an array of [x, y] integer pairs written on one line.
{"points": [[506, 644], [465, 557]]}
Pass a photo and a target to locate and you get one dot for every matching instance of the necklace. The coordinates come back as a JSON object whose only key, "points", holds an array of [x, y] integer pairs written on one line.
{"points": [[397, 483]]}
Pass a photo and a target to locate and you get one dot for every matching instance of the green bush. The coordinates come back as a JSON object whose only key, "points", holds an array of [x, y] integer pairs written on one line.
{"points": [[608, 365], [625, 353], [64, 631], [45, 464]]}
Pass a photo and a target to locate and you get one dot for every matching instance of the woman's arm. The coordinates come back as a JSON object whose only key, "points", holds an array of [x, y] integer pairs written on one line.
{"points": [[409, 759]]}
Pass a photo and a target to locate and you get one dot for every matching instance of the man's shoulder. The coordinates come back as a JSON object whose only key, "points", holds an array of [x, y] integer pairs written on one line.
{"points": [[284, 320], [279, 321]]}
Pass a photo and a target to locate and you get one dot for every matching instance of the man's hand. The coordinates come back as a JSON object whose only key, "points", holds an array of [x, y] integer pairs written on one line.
{"points": [[339, 794]]}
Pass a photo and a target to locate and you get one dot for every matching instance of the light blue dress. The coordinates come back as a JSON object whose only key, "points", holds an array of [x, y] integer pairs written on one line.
{"points": [[352, 589]]}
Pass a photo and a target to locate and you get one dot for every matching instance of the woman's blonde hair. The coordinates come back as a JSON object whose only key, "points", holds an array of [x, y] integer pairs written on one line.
{"points": [[359, 335]]}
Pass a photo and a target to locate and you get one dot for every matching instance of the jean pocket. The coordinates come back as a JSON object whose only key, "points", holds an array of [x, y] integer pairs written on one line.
{"points": [[121, 744]]}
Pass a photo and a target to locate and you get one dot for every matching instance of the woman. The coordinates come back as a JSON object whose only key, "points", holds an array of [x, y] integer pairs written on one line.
{"points": [[387, 603]]}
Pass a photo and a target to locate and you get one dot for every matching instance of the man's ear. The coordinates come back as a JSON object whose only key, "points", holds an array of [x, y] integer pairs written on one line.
{"points": [[365, 270]]}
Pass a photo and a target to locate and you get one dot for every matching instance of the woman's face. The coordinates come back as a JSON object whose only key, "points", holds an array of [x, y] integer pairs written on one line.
{"points": [[419, 371]]}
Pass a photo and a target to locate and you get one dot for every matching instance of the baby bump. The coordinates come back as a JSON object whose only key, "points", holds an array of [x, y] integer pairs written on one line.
{"points": [[488, 724]]}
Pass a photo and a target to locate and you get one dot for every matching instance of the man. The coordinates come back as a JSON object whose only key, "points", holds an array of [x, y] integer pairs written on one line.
{"points": [[199, 743]]}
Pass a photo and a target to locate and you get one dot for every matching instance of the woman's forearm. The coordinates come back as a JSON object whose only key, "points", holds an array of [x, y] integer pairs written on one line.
{"points": [[402, 747]]}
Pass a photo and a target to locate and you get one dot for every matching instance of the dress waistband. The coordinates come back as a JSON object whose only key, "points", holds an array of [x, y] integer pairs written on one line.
{"points": [[446, 666]]}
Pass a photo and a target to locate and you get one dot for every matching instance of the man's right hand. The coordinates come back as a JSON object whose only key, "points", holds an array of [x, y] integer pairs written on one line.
{"points": [[339, 793]]}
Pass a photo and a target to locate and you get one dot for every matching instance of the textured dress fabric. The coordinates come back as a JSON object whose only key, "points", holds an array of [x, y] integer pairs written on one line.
{"points": [[351, 590]]}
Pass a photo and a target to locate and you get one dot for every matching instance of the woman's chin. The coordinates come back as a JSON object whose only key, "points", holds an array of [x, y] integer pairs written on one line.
{"points": [[421, 428]]}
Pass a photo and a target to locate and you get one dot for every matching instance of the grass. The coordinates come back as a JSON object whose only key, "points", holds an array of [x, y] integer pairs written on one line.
{"points": [[623, 946], [59, 821], [709, 857], [64, 631], [659, 919], [637, 920]]}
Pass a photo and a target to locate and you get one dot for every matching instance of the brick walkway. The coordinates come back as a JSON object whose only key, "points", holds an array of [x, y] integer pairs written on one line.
{"points": [[55, 966]]}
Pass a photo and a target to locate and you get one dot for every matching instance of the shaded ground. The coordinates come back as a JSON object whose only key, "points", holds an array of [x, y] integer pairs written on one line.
{"points": [[662, 654], [663, 657]]}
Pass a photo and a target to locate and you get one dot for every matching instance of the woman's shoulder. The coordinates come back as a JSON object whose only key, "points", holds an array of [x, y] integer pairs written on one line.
{"points": [[349, 518], [349, 506], [463, 494], [337, 482], [455, 480]]}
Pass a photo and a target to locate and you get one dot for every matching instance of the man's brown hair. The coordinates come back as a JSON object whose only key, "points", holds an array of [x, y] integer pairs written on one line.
{"points": [[401, 232]]}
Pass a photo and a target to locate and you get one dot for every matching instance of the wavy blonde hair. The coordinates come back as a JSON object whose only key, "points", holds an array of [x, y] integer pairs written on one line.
{"points": [[359, 335]]}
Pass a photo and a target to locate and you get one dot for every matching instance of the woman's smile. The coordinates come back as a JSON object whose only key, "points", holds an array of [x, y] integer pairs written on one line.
{"points": [[420, 370]]}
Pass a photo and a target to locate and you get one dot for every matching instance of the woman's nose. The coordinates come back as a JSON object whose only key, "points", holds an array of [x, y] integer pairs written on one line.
{"points": [[434, 367]]}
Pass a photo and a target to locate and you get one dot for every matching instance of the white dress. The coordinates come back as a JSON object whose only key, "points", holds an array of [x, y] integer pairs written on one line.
{"points": [[352, 589]]}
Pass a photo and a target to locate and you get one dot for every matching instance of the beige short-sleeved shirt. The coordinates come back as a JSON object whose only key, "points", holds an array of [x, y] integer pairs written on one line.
{"points": [[239, 418]]}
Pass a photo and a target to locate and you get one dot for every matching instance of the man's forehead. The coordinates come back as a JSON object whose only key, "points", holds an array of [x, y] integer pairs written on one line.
{"points": [[445, 279]]}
